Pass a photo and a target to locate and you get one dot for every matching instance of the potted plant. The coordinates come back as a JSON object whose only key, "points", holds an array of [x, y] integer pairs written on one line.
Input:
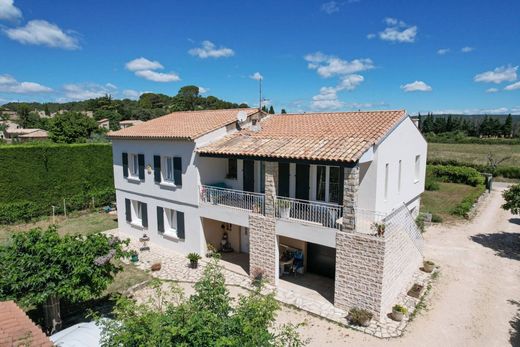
{"points": [[428, 266], [359, 316], [398, 312], [257, 275], [257, 208], [284, 206], [134, 256], [156, 266], [194, 259], [379, 228], [211, 250]]}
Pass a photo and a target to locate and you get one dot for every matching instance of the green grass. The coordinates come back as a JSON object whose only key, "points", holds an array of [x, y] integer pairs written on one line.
{"points": [[127, 278], [444, 200], [474, 153], [80, 222]]}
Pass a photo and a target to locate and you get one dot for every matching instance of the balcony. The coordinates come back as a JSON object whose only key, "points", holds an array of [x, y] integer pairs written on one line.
{"points": [[236, 199], [314, 212]]}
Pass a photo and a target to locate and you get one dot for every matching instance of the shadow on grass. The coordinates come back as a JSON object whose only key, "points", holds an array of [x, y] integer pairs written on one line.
{"points": [[514, 332], [505, 244]]}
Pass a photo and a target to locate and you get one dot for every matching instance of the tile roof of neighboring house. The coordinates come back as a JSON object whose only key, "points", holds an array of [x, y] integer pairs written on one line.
{"points": [[337, 136], [187, 125], [103, 120], [16, 329], [38, 133], [22, 131], [131, 121]]}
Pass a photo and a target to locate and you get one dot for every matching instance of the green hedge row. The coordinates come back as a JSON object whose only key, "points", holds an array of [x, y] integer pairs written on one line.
{"points": [[49, 172], [503, 171], [12, 212], [463, 139], [463, 208], [456, 174]]}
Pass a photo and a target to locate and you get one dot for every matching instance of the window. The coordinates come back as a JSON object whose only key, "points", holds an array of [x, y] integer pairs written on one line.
{"points": [[136, 213], [134, 165], [417, 167], [386, 181], [328, 184], [168, 169], [399, 178], [334, 185], [171, 222], [321, 182], [232, 168]]}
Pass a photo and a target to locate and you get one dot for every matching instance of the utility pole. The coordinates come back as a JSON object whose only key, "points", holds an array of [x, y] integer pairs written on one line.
{"points": [[260, 96]]}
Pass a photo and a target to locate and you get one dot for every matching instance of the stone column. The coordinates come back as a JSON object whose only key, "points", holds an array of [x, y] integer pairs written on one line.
{"points": [[271, 186], [350, 192]]}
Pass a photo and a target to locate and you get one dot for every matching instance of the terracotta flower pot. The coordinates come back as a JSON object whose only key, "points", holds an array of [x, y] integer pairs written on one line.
{"points": [[156, 267]]}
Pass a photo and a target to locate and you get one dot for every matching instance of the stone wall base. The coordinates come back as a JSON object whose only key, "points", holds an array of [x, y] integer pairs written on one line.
{"points": [[263, 247]]}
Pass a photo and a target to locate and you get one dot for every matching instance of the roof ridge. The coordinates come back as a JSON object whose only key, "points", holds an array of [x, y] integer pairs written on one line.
{"points": [[338, 112]]}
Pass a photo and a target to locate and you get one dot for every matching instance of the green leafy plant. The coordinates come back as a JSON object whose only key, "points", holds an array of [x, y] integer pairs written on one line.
{"points": [[40, 266], [465, 206], [436, 218], [359, 316], [419, 221], [400, 308], [456, 174], [512, 198], [379, 228], [193, 257], [431, 185]]}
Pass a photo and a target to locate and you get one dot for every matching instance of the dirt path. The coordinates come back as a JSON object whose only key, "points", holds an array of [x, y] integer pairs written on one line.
{"points": [[476, 299]]}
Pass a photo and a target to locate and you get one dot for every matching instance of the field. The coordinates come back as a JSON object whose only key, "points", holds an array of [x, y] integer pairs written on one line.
{"points": [[442, 201], [474, 153]]}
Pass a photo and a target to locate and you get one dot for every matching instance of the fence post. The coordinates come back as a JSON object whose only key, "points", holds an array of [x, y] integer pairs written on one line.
{"points": [[53, 215], [64, 208]]}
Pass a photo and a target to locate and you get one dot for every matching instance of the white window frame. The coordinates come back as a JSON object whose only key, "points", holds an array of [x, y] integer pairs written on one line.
{"points": [[137, 213], [170, 223], [417, 167], [314, 177], [133, 164], [387, 172], [164, 171], [399, 176]]}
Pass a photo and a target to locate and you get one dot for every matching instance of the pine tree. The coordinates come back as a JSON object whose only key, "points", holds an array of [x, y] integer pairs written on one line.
{"points": [[507, 128], [283, 111], [271, 110]]}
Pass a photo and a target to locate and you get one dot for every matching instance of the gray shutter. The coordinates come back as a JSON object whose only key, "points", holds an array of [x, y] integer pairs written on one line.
{"points": [[180, 225], [157, 168], [177, 171], [144, 211], [128, 210], [160, 219], [125, 164], [140, 159]]}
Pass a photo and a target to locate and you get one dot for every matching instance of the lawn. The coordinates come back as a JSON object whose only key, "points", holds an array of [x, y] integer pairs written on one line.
{"points": [[474, 153], [442, 201]]}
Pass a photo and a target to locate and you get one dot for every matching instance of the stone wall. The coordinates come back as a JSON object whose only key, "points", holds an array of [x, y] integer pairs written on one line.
{"points": [[359, 272], [350, 192], [263, 248], [271, 184]]}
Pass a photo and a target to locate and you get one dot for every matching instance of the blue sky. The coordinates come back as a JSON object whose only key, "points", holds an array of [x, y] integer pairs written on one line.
{"points": [[457, 56]]}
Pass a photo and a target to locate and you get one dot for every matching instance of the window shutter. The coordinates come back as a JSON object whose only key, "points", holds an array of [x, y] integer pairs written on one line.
{"points": [[177, 171], [160, 219], [180, 225], [128, 210], [144, 211], [341, 184], [125, 164], [157, 168], [140, 159]]}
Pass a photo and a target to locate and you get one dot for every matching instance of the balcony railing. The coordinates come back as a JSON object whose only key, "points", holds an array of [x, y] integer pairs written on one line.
{"points": [[233, 198], [370, 222], [317, 212]]}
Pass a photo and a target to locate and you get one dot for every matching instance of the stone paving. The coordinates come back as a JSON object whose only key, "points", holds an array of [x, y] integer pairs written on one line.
{"points": [[174, 267]]}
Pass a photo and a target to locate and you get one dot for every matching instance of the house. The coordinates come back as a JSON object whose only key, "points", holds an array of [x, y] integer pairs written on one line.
{"points": [[332, 194], [33, 135], [128, 123], [14, 131], [104, 123], [17, 329]]}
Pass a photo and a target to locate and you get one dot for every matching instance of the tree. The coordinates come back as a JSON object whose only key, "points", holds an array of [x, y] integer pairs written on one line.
{"points": [[71, 127], [207, 318], [46, 110], [271, 110], [26, 118], [512, 197], [507, 128], [264, 108], [283, 111], [41, 267]]}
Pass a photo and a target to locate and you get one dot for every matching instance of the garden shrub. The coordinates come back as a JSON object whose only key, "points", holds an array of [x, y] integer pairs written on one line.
{"points": [[463, 208], [436, 218], [501, 170], [456, 174], [431, 185], [358, 316]]}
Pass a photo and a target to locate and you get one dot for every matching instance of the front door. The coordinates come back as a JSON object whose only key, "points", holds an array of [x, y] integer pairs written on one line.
{"points": [[249, 175], [244, 240]]}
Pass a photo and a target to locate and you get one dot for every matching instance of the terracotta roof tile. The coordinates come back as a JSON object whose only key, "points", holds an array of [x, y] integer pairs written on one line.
{"points": [[16, 329], [337, 136], [187, 125]]}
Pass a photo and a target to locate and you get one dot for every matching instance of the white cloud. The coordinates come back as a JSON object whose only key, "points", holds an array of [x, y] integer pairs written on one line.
{"points": [[398, 31], [143, 64], [9, 84], [8, 11], [209, 50], [131, 94], [513, 86], [417, 86], [144, 68], [443, 51], [327, 99], [371, 36], [41, 32], [83, 91], [327, 65], [256, 76], [330, 7], [350, 82], [498, 75], [467, 49], [203, 90], [158, 76], [491, 90]]}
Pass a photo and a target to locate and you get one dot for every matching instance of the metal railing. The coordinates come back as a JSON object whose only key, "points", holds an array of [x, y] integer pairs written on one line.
{"points": [[370, 222], [318, 212], [401, 220], [233, 198]]}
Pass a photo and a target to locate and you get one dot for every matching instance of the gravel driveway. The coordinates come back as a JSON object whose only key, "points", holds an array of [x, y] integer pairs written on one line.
{"points": [[474, 302]]}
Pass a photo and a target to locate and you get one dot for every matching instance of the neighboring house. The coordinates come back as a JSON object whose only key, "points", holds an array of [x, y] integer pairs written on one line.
{"points": [[322, 184], [33, 135], [128, 123], [104, 123], [17, 329]]}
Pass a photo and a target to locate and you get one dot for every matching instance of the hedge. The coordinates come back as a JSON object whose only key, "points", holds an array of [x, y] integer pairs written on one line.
{"points": [[456, 174], [461, 139], [501, 170], [35, 177], [464, 207]]}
